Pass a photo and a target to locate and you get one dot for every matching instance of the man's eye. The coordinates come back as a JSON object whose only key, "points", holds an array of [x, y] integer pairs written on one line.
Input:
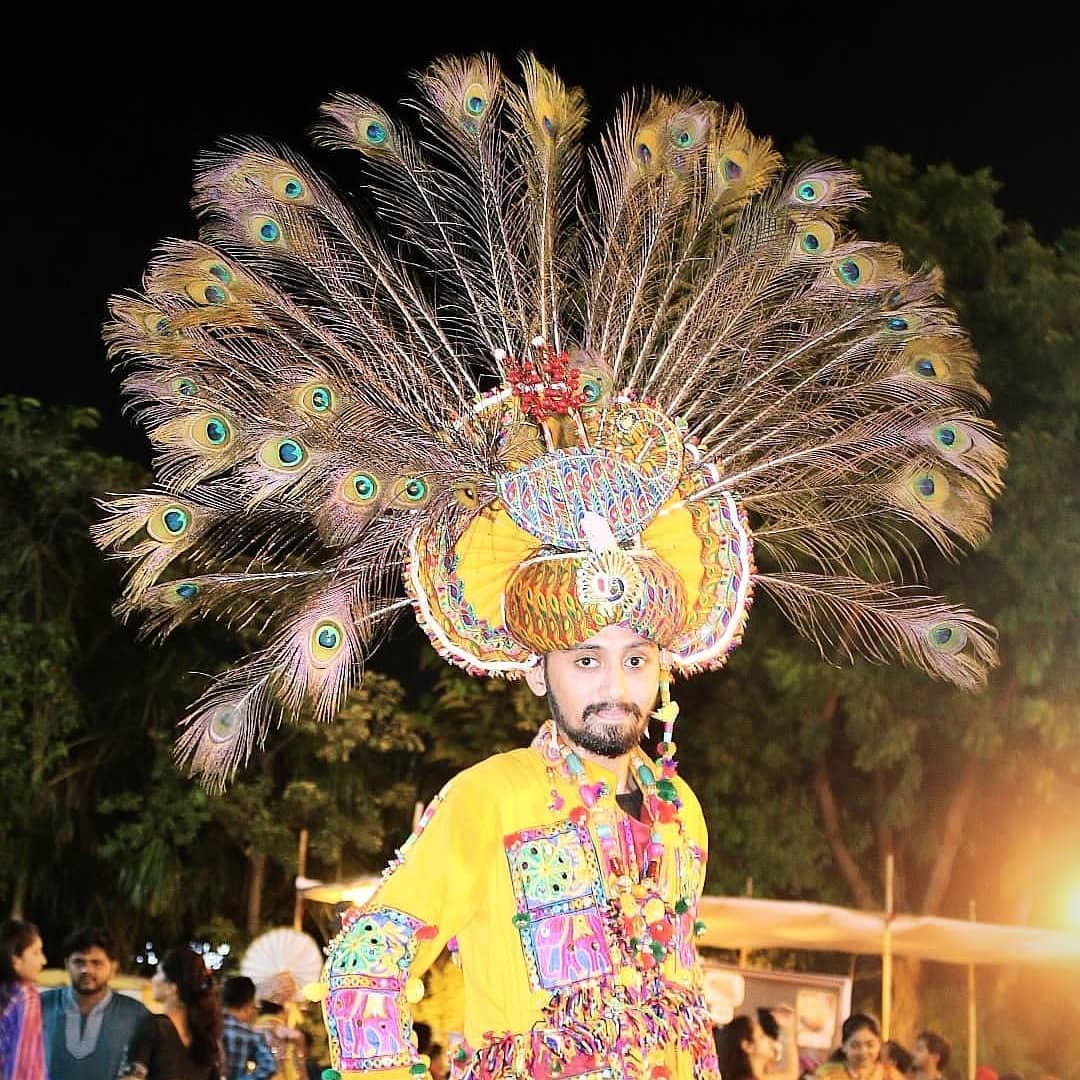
{"points": [[586, 661]]}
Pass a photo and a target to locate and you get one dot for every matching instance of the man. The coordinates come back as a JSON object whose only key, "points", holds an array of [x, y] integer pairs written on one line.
{"points": [[91, 1033], [247, 1054], [929, 1056], [505, 865]]}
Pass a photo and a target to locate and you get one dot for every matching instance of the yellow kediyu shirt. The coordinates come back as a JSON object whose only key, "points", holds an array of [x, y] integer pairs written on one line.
{"points": [[576, 964]]}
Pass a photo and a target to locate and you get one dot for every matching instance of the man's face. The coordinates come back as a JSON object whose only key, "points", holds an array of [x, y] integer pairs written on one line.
{"points": [[90, 970], [602, 691]]}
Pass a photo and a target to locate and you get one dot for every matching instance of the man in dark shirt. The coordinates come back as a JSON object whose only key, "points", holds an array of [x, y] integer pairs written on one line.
{"points": [[90, 1032]]}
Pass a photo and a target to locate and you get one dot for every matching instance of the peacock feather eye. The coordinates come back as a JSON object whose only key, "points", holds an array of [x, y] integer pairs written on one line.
{"points": [[187, 590], [897, 323], [293, 188], [185, 387], [269, 231], [811, 191], [221, 272], [924, 366], [290, 453], [644, 154], [175, 520], [855, 270], [683, 138], [283, 455], [924, 486], [817, 238], [214, 295], [952, 438], [549, 126], [476, 99], [322, 399], [365, 486], [415, 489], [169, 522], [217, 431], [326, 641], [375, 133], [161, 327], [591, 391], [947, 637], [224, 724], [850, 271], [733, 170]]}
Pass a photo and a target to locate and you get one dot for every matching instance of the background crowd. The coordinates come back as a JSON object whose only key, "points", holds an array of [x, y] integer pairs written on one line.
{"points": [[86, 1031]]}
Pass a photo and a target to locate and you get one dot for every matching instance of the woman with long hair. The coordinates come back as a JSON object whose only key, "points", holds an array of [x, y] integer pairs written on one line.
{"points": [[859, 1056], [743, 1049], [22, 1046], [186, 1043]]}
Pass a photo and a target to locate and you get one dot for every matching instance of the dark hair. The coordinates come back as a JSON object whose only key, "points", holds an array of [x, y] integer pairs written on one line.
{"points": [[937, 1044], [768, 1023], [237, 991], [185, 968], [422, 1032], [90, 938], [900, 1057], [734, 1060], [856, 1022], [16, 936]]}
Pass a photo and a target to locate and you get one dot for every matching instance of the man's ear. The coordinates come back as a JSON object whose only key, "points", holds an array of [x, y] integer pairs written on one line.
{"points": [[536, 677]]}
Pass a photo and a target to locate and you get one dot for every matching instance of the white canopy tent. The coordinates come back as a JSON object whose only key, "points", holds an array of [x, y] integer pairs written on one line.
{"points": [[742, 923]]}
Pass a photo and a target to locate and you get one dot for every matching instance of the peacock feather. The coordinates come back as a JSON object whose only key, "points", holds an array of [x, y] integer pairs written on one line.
{"points": [[327, 387]]}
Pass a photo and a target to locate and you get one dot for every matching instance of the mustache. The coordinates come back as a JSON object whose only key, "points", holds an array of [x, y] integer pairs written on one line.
{"points": [[602, 706]]}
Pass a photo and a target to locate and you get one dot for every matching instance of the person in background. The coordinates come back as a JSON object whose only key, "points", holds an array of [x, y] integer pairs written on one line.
{"points": [[90, 1032], [930, 1057], [247, 1053], [892, 1053], [286, 1041], [778, 1024], [860, 1047], [744, 1050], [22, 1046], [186, 1037]]}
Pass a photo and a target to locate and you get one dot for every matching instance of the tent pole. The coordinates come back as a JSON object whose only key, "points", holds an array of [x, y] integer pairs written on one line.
{"points": [[972, 1031], [744, 953], [886, 952], [301, 871]]}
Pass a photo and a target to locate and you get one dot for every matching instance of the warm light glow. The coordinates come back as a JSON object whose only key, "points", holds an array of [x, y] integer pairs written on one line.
{"points": [[1072, 906]]}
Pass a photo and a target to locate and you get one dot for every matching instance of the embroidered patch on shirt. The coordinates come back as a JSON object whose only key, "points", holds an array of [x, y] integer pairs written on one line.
{"points": [[560, 904], [367, 1020]]}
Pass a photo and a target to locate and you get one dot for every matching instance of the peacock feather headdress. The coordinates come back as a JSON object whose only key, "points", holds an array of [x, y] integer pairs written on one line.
{"points": [[531, 389]]}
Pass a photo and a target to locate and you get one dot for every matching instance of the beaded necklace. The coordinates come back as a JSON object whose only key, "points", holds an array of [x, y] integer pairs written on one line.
{"points": [[646, 920]]}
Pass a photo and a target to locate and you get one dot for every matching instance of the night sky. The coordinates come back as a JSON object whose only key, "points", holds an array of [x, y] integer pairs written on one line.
{"points": [[107, 114]]}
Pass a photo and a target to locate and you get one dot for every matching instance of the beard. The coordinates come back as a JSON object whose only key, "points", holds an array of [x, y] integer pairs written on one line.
{"points": [[608, 740]]}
